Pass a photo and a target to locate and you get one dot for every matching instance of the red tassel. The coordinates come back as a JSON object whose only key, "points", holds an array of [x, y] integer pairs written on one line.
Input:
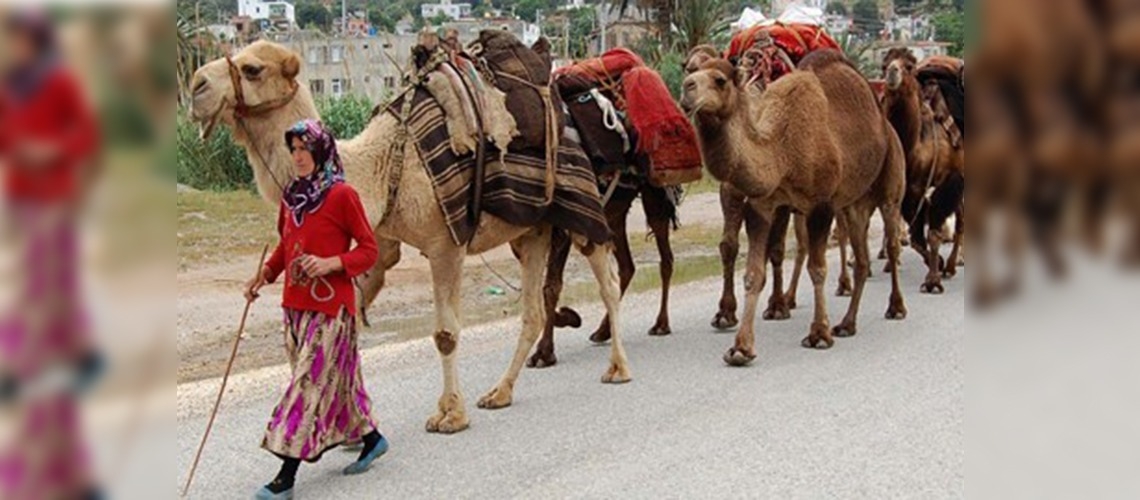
{"points": [[664, 134]]}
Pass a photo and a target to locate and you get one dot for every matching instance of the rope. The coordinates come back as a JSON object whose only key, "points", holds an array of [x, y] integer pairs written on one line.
{"points": [[225, 379], [929, 179], [497, 275], [610, 117], [552, 133]]}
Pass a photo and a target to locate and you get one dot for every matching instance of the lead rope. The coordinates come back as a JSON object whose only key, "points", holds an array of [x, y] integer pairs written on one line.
{"points": [[929, 179]]}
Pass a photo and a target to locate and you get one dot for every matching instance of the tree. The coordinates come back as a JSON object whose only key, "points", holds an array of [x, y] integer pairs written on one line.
{"points": [[438, 19], [908, 7], [313, 14], [698, 22], [838, 8], [527, 10], [866, 18], [950, 27], [381, 20]]}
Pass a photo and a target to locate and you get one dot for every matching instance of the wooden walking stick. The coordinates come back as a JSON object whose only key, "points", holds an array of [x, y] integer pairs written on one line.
{"points": [[225, 378]]}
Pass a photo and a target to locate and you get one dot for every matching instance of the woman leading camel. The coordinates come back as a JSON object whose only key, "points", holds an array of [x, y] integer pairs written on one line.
{"points": [[325, 404]]}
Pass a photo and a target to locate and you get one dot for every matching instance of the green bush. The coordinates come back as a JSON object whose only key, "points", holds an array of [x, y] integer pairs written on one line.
{"points": [[345, 116], [671, 70], [220, 164]]}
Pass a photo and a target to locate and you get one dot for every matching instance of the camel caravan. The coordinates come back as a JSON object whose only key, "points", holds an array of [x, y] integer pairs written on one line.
{"points": [[487, 145]]}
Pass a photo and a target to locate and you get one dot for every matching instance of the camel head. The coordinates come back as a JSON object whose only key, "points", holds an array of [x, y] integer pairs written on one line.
{"points": [[256, 80], [898, 66], [711, 92], [698, 56]]}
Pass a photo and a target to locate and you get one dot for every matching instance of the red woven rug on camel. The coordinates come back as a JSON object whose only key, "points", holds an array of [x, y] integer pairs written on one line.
{"points": [[664, 135], [797, 40]]}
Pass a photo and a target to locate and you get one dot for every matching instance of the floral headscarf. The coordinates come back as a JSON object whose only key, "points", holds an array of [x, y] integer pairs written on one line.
{"points": [[304, 195]]}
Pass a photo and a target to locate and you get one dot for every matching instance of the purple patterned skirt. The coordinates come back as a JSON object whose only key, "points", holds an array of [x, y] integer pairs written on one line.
{"points": [[325, 404]]}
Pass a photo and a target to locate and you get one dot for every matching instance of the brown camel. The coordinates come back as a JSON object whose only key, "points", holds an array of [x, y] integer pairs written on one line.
{"points": [[261, 81], [608, 153], [815, 141], [734, 207], [935, 163]]}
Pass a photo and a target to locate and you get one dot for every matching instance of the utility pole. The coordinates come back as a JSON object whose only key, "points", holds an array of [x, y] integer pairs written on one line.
{"points": [[343, 19], [602, 21]]}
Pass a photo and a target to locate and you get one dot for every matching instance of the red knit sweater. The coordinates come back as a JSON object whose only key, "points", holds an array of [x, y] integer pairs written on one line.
{"points": [[324, 233], [59, 114]]}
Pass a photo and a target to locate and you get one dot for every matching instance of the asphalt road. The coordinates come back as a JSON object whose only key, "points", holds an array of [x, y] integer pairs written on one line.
{"points": [[880, 415]]}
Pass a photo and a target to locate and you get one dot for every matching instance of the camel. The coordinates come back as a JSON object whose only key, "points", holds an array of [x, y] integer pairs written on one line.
{"points": [[814, 141], [934, 161], [606, 148], [660, 215], [734, 207], [270, 99]]}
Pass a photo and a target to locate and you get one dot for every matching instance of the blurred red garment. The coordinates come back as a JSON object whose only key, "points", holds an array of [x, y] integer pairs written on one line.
{"points": [[56, 117]]}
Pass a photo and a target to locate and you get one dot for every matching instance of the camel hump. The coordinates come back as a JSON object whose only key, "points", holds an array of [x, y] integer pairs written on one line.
{"points": [[824, 58]]}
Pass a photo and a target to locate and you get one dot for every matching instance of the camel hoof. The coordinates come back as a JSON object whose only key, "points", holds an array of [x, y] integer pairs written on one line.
{"points": [[567, 317], [896, 312], [883, 254], [777, 313], [616, 375], [844, 289], [738, 357], [819, 338], [497, 398], [887, 267], [843, 330], [660, 330], [949, 273], [932, 287], [541, 360], [448, 423], [364, 318], [724, 320], [601, 336]]}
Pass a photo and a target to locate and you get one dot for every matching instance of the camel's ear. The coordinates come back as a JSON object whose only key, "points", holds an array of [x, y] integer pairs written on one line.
{"points": [[291, 66]]}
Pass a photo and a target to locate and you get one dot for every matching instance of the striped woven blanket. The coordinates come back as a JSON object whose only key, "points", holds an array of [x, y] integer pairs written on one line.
{"points": [[514, 189]]}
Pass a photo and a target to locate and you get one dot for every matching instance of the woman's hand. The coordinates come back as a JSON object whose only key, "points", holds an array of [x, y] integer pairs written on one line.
{"points": [[321, 266], [255, 284]]}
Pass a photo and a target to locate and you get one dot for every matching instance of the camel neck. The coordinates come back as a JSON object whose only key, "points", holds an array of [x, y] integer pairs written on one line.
{"points": [[902, 109], [722, 139], [264, 141]]}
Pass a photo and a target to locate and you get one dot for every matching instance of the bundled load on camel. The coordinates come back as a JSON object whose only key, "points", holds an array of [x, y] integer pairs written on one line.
{"points": [[795, 40], [665, 140]]}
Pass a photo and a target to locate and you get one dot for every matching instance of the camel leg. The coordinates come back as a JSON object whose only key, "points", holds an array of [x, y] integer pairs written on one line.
{"points": [[856, 218], [800, 224], [843, 233], [551, 291], [819, 228], [659, 213], [604, 273], [372, 281], [733, 207], [896, 308], [617, 210], [777, 302], [743, 350], [532, 249], [946, 199], [447, 276], [954, 260]]}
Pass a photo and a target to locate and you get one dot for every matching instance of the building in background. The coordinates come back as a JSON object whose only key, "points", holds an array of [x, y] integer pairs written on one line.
{"points": [[469, 29], [277, 13], [455, 11], [921, 49], [341, 66]]}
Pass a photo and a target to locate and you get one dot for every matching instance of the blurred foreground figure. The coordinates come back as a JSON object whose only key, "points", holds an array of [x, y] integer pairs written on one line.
{"points": [[47, 134]]}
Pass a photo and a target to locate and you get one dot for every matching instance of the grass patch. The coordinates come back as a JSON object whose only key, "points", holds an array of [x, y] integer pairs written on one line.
{"points": [[215, 227]]}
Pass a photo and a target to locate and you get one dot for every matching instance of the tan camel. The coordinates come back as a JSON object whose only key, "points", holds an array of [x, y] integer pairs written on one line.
{"points": [[734, 207], [273, 100], [814, 141], [935, 163]]}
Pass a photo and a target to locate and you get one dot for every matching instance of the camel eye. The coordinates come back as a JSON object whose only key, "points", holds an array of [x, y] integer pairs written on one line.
{"points": [[720, 81], [251, 72]]}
